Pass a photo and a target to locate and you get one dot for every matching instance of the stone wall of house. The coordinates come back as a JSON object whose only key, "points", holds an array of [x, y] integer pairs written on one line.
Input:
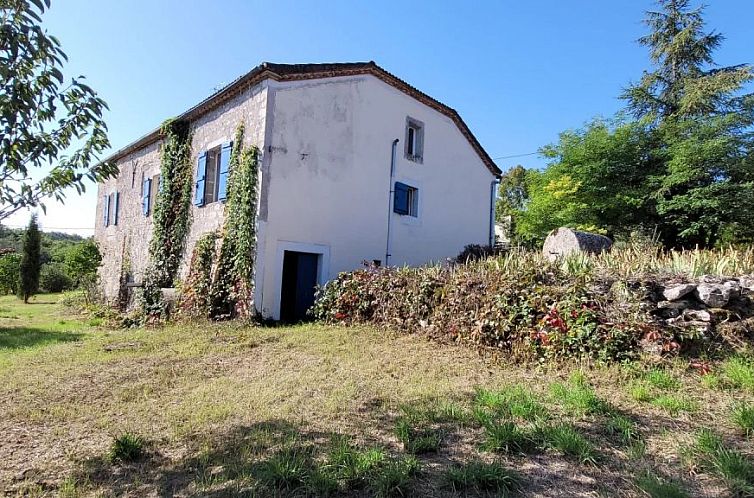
{"points": [[130, 237]]}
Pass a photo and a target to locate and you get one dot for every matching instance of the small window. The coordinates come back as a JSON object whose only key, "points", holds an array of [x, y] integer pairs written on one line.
{"points": [[106, 211], [212, 174], [406, 200], [414, 140], [155, 189], [115, 207]]}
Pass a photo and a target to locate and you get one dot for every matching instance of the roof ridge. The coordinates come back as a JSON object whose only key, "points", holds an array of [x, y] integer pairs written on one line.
{"points": [[303, 71]]}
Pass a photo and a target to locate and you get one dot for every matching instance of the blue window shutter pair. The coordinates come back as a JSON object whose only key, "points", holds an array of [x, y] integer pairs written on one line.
{"points": [[145, 196], [222, 181], [400, 200], [106, 211], [116, 207], [201, 172]]}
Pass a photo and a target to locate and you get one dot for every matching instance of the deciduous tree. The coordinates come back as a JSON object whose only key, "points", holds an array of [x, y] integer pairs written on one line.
{"points": [[44, 121]]}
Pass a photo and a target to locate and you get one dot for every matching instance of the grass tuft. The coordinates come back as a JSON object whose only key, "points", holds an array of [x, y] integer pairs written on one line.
{"points": [[567, 440], [730, 465], [742, 415], [452, 412], [656, 487], [578, 397], [289, 468], [511, 401], [481, 477], [417, 441], [641, 391], [674, 404], [127, 447], [351, 465], [661, 379], [624, 429], [394, 478], [739, 373], [506, 437]]}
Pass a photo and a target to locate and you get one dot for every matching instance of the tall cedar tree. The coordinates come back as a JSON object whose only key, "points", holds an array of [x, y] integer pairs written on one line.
{"points": [[31, 262], [703, 125], [682, 168]]}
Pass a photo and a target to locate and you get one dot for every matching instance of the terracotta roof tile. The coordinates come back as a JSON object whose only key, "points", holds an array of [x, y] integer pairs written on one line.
{"points": [[294, 72]]}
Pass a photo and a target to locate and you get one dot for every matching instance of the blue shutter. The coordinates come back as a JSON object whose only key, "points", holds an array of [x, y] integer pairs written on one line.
{"points": [[145, 196], [106, 211], [201, 172], [116, 208], [222, 181], [400, 201]]}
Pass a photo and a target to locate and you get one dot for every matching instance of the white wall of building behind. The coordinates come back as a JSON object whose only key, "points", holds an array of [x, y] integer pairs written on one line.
{"points": [[326, 180]]}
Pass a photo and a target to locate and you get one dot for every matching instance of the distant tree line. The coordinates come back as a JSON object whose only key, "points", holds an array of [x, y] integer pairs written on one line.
{"points": [[33, 261], [676, 164]]}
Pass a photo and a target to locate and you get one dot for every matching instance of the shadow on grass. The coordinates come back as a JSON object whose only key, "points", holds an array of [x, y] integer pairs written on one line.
{"points": [[281, 459], [224, 463], [27, 337]]}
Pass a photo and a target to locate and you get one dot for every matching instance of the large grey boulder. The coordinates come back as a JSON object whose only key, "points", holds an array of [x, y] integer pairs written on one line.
{"points": [[676, 292], [714, 295], [564, 241]]}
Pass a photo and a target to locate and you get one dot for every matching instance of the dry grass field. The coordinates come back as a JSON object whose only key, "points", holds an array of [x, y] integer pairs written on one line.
{"points": [[226, 409]]}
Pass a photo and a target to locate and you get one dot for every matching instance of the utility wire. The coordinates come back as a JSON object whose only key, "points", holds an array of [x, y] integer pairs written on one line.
{"points": [[516, 155]]}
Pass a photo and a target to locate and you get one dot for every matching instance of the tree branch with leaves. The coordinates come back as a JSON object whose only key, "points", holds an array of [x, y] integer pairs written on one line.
{"points": [[44, 122]]}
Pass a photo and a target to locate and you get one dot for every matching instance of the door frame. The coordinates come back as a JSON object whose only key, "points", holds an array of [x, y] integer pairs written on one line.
{"points": [[323, 266]]}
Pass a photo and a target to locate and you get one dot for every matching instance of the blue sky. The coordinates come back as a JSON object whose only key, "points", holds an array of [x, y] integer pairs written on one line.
{"points": [[518, 72]]}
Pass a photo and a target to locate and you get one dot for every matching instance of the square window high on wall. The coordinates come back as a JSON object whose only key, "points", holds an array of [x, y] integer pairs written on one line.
{"points": [[414, 140], [406, 200]]}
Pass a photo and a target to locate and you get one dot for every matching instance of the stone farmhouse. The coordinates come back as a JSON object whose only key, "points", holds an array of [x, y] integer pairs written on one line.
{"points": [[356, 165]]}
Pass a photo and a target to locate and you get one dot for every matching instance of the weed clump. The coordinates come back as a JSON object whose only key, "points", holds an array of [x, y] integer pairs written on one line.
{"points": [[578, 396], [479, 476], [732, 466], [127, 447]]}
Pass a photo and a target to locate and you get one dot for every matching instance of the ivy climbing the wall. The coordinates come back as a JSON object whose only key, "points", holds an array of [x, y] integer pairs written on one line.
{"points": [[171, 214], [195, 290], [232, 288]]}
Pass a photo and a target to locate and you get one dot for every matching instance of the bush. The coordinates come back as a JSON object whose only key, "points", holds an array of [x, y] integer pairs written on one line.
{"points": [[53, 278], [519, 303], [10, 267], [596, 307], [476, 252]]}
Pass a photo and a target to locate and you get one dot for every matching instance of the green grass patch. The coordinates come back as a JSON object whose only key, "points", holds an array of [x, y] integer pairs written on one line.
{"points": [[738, 373], [394, 478], [646, 392], [478, 476], [578, 397], [662, 379], [674, 404], [568, 441], [351, 465], [417, 441], [511, 401], [641, 391], [127, 447], [287, 469], [730, 465], [624, 429], [506, 437], [654, 486], [448, 411], [742, 414]]}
